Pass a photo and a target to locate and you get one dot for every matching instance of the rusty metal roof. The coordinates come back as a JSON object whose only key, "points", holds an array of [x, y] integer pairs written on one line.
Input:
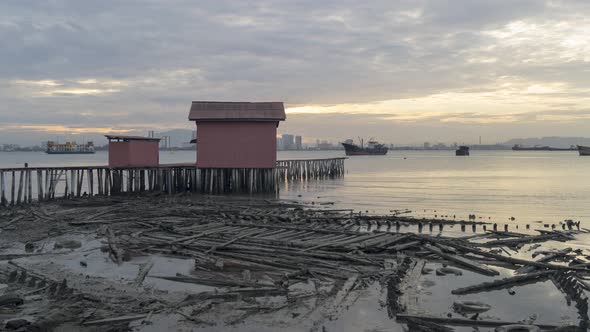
{"points": [[131, 138], [236, 111]]}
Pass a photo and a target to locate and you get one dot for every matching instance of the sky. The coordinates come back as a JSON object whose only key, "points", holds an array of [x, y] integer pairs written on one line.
{"points": [[402, 72]]}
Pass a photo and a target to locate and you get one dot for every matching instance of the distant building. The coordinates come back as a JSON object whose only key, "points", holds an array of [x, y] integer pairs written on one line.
{"points": [[426, 146], [236, 134], [325, 145], [10, 147], [279, 144], [298, 143], [288, 142]]}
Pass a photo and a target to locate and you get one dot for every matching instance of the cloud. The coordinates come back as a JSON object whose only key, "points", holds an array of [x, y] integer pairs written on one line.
{"points": [[422, 63]]}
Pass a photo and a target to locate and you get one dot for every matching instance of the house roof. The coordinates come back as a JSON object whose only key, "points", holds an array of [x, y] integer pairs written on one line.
{"points": [[236, 111], [131, 138]]}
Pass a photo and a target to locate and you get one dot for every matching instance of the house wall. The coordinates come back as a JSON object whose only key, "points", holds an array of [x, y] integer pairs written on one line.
{"points": [[236, 144], [134, 154]]}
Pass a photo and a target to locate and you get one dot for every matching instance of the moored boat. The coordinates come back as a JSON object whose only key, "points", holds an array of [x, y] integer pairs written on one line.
{"points": [[584, 150], [462, 151]]}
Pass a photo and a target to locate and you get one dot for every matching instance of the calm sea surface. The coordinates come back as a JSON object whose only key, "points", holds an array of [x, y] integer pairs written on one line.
{"points": [[530, 186]]}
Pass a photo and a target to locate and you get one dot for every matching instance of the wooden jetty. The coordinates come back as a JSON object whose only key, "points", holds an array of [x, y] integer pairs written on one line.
{"points": [[28, 184], [308, 169]]}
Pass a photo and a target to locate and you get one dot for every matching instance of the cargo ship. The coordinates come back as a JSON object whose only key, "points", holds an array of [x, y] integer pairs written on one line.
{"points": [[584, 150], [518, 147], [69, 148], [372, 148]]}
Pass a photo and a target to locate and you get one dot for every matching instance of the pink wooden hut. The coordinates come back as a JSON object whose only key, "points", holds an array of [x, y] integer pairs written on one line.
{"points": [[133, 151], [236, 134]]}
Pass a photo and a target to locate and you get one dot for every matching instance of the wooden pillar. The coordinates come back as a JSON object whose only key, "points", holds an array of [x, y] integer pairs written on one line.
{"points": [[90, 182], [108, 190], [39, 185], [99, 181], [2, 190], [80, 176], [48, 179], [72, 183], [13, 183], [20, 188], [66, 190]]}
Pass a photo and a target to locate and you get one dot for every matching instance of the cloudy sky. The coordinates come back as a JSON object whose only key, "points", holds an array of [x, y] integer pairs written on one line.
{"points": [[400, 71]]}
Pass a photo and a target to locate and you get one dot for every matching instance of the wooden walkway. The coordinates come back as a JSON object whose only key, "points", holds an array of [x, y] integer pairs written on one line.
{"points": [[25, 185]]}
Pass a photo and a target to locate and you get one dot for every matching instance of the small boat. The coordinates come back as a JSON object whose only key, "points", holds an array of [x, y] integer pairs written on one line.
{"points": [[372, 148], [462, 151], [584, 150]]}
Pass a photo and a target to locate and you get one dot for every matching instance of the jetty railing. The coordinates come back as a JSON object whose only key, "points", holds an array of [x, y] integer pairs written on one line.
{"points": [[27, 184]]}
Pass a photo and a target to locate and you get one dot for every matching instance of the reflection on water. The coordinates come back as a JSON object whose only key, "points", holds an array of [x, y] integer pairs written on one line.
{"points": [[527, 185]]}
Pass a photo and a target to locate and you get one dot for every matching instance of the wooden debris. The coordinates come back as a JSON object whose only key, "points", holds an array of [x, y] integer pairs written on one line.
{"points": [[144, 269], [115, 252]]}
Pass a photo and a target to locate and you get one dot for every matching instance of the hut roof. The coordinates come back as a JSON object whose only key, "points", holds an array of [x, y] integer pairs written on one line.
{"points": [[236, 111], [131, 138]]}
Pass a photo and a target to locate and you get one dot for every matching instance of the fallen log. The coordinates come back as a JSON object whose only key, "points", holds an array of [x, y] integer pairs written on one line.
{"points": [[122, 319], [247, 234], [465, 322], [340, 242], [214, 282], [512, 260], [504, 283], [523, 240], [547, 258], [464, 262], [14, 220], [416, 324]]}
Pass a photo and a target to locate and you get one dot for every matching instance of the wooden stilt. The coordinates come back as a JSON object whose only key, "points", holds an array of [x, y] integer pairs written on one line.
{"points": [[20, 187], [12, 188]]}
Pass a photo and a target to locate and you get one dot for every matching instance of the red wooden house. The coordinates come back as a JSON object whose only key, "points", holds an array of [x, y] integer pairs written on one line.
{"points": [[133, 151], [236, 134]]}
